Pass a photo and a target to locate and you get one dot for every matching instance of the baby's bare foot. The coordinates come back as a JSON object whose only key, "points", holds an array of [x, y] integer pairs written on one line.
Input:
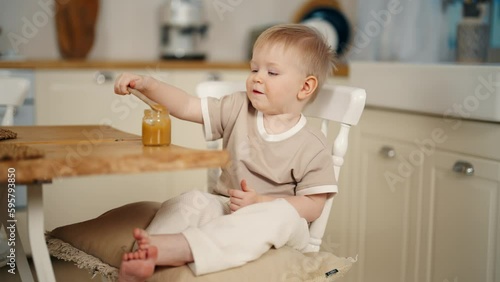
{"points": [[142, 239], [139, 265], [171, 249]]}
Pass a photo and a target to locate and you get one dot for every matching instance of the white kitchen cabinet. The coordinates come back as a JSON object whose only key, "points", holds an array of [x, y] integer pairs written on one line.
{"points": [[415, 218], [386, 211], [463, 219], [86, 97]]}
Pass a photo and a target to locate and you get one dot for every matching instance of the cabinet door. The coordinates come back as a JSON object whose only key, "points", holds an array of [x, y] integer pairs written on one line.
{"points": [[71, 97], [389, 190], [463, 226], [86, 97]]}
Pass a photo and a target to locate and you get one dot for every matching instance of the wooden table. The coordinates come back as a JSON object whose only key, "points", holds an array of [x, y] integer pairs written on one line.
{"points": [[77, 151]]}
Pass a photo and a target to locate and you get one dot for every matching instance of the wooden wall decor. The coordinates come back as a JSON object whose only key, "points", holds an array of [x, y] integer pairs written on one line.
{"points": [[76, 27]]}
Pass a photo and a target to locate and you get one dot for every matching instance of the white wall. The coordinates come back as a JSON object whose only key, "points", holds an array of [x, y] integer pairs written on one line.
{"points": [[129, 29]]}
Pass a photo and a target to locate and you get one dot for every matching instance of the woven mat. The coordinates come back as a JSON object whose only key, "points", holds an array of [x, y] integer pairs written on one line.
{"points": [[18, 152], [7, 134]]}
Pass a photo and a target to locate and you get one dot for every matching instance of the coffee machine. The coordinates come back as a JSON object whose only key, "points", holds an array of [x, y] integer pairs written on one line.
{"points": [[183, 30]]}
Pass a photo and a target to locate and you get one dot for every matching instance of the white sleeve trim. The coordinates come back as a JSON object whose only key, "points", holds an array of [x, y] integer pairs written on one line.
{"points": [[207, 128], [318, 190]]}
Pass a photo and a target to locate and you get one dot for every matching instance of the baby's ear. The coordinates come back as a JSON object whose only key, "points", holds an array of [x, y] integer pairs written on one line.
{"points": [[308, 87]]}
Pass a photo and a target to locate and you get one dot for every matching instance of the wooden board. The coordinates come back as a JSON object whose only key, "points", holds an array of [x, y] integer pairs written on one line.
{"points": [[75, 25]]}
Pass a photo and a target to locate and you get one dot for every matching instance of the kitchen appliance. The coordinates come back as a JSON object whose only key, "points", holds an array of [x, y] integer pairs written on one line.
{"points": [[183, 30]]}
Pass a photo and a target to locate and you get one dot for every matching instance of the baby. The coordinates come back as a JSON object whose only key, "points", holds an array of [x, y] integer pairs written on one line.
{"points": [[279, 179]]}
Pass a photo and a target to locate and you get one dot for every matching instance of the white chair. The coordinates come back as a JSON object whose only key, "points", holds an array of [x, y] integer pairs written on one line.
{"points": [[13, 91], [340, 104]]}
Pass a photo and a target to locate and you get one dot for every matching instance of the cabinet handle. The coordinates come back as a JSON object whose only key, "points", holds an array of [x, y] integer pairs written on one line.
{"points": [[388, 152], [464, 168], [102, 77], [213, 76]]}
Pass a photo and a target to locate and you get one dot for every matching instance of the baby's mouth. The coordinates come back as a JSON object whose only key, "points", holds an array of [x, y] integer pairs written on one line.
{"points": [[257, 92]]}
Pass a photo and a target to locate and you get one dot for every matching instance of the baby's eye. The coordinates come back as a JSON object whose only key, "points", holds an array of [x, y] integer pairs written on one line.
{"points": [[254, 70], [272, 73]]}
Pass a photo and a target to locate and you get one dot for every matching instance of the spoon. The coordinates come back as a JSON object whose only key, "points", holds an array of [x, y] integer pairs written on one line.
{"points": [[155, 106]]}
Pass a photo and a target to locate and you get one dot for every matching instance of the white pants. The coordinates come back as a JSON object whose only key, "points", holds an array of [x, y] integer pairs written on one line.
{"points": [[220, 239]]}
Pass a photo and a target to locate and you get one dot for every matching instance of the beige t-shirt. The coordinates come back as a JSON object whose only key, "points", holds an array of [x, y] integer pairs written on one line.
{"points": [[267, 161]]}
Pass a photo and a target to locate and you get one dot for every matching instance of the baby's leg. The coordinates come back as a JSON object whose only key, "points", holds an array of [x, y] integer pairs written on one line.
{"points": [[173, 249], [191, 209], [245, 235], [138, 266]]}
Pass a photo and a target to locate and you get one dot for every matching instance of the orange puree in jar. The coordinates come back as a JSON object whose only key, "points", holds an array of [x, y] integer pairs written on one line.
{"points": [[156, 128]]}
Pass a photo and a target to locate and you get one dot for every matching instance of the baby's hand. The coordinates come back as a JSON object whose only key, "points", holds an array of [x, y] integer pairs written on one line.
{"points": [[125, 80], [239, 199]]}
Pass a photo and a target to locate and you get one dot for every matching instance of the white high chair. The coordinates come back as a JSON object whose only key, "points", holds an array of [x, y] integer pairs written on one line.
{"points": [[341, 104], [13, 91]]}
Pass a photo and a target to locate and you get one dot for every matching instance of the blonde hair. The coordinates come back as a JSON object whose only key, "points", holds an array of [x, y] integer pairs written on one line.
{"points": [[315, 55]]}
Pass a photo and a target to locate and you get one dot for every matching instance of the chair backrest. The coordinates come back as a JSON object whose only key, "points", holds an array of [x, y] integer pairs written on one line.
{"points": [[13, 91], [342, 104]]}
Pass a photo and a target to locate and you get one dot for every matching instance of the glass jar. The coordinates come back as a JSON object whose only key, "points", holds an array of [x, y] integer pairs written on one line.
{"points": [[156, 128]]}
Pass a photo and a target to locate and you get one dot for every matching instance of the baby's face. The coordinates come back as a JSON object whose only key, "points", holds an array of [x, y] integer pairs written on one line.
{"points": [[275, 80]]}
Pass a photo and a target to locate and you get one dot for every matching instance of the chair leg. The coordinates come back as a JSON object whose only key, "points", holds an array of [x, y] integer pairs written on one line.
{"points": [[8, 118]]}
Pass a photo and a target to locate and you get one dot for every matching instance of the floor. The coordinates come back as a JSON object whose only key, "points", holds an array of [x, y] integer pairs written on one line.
{"points": [[64, 272]]}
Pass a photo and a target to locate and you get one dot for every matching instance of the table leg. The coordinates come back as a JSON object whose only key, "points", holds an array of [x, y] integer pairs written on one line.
{"points": [[36, 231], [21, 260]]}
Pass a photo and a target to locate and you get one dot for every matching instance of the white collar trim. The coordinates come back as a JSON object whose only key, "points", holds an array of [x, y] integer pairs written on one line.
{"points": [[282, 136]]}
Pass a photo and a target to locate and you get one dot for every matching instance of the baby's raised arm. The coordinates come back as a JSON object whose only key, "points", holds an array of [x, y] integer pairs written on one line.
{"points": [[179, 103]]}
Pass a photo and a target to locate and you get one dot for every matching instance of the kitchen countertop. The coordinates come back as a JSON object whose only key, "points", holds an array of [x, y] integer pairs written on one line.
{"points": [[447, 90], [342, 70]]}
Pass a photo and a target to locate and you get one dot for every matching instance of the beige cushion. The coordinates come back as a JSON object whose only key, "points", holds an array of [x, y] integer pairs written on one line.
{"points": [[99, 244], [110, 235]]}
